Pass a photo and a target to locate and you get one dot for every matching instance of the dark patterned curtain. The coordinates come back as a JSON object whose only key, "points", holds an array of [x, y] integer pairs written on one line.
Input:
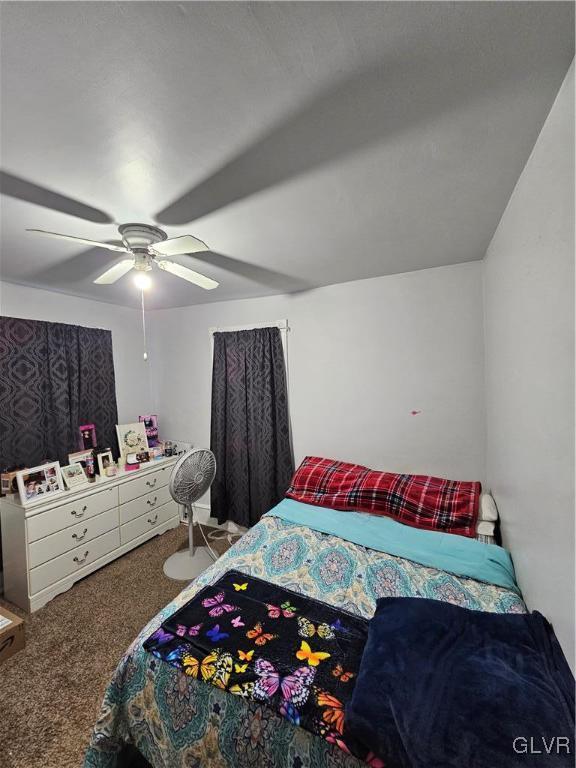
{"points": [[53, 377], [250, 433]]}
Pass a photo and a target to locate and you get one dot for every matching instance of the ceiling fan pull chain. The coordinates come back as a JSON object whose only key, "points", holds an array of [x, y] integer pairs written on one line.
{"points": [[144, 325]]}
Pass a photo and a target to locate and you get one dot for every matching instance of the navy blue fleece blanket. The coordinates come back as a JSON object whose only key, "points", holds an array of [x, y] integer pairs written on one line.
{"points": [[441, 686]]}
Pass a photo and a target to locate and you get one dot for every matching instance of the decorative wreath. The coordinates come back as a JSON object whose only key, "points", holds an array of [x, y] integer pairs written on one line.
{"points": [[132, 439]]}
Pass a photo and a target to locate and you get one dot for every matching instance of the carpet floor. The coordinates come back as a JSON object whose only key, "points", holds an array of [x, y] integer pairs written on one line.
{"points": [[51, 691]]}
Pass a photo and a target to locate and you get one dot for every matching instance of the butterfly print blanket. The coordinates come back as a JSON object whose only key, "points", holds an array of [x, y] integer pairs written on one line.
{"points": [[261, 641]]}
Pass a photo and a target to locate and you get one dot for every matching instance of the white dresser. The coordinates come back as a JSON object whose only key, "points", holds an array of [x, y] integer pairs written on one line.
{"points": [[50, 545]]}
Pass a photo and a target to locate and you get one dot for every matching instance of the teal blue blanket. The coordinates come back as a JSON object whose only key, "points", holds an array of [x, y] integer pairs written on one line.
{"points": [[445, 551]]}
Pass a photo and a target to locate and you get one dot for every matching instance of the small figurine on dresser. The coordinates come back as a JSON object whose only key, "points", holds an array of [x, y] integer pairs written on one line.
{"points": [[91, 468]]}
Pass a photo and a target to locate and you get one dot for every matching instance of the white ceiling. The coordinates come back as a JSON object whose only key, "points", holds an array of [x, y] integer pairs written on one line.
{"points": [[315, 143]]}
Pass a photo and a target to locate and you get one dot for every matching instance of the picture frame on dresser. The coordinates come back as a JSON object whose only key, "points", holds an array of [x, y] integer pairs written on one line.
{"points": [[80, 457], [151, 425], [131, 438], [105, 461], [37, 484], [74, 476]]}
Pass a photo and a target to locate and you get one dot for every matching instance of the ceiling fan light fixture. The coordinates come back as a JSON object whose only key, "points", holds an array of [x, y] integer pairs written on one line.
{"points": [[142, 281]]}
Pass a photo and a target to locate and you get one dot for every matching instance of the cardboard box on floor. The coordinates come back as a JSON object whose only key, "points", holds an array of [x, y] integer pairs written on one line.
{"points": [[12, 637]]}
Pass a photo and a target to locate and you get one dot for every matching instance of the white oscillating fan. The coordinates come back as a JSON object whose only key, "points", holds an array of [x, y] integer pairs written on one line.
{"points": [[191, 477]]}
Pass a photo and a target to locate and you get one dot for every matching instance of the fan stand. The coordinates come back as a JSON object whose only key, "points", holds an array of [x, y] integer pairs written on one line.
{"points": [[186, 564]]}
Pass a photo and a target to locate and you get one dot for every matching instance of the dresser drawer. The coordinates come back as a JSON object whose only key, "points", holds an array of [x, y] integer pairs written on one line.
{"points": [[141, 485], [53, 520], [147, 522], [42, 550], [142, 504], [65, 565]]}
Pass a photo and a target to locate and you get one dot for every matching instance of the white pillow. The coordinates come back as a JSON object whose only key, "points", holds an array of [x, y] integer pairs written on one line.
{"points": [[487, 516], [488, 509], [485, 528]]}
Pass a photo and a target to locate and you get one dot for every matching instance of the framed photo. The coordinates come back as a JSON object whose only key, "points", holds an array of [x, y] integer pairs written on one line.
{"points": [[105, 460], [40, 483], [80, 457], [74, 476], [151, 426], [87, 436], [8, 481], [132, 438]]}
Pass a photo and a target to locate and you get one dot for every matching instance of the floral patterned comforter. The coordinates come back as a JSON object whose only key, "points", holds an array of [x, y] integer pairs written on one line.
{"points": [[178, 722]]}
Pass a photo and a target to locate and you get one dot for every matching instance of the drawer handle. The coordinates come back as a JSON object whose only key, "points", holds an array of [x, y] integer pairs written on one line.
{"points": [[81, 560], [155, 520], [81, 537], [151, 484], [79, 514], [153, 502]]}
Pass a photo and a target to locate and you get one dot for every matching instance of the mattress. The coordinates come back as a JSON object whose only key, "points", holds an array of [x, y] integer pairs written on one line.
{"points": [[176, 721]]}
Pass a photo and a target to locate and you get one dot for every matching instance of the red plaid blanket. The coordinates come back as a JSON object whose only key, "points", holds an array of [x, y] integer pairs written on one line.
{"points": [[418, 500]]}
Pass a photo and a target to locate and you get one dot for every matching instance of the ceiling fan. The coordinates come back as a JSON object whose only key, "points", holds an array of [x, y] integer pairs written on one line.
{"points": [[146, 246]]}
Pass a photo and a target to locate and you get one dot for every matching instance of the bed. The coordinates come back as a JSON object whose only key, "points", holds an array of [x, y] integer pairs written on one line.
{"points": [[347, 560]]}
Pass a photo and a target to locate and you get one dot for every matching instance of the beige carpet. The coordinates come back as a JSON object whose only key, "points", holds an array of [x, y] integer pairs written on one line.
{"points": [[50, 692]]}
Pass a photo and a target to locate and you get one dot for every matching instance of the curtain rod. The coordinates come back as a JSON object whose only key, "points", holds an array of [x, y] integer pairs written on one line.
{"points": [[280, 324], [54, 322]]}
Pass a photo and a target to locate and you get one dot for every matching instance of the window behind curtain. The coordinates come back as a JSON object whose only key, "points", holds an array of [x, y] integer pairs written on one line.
{"points": [[250, 430], [53, 377]]}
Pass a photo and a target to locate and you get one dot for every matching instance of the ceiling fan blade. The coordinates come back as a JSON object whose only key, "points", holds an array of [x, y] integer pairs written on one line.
{"points": [[14, 186], [108, 246], [177, 246], [187, 274], [115, 273]]}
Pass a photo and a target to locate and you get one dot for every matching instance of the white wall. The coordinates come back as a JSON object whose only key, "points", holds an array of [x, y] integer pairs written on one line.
{"points": [[362, 356], [132, 373], [529, 322]]}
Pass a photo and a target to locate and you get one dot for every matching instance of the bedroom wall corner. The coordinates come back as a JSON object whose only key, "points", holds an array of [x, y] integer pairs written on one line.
{"points": [[530, 345]]}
